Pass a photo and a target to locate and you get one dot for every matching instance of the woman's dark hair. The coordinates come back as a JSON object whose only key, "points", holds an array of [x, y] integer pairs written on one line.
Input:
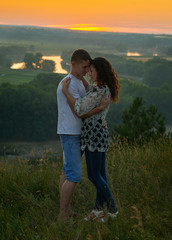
{"points": [[106, 75]]}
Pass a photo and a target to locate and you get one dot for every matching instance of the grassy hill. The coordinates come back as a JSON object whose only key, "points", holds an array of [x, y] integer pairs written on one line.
{"points": [[139, 178], [16, 76]]}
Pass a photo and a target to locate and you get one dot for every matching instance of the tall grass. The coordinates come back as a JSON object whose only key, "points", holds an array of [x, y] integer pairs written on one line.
{"points": [[139, 178]]}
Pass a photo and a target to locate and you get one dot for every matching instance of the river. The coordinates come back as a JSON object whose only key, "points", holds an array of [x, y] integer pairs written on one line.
{"points": [[56, 59]]}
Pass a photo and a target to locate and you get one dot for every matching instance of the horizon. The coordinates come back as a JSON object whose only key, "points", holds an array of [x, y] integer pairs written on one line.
{"points": [[86, 29]]}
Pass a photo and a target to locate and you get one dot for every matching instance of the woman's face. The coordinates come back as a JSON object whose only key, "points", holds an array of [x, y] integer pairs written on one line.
{"points": [[93, 74]]}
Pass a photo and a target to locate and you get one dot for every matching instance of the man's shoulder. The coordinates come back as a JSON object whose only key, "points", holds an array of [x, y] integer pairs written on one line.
{"points": [[74, 80], [59, 85], [68, 75], [75, 83]]}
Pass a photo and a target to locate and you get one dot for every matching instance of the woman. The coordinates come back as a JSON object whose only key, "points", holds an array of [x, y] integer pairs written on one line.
{"points": [[94, 134]]}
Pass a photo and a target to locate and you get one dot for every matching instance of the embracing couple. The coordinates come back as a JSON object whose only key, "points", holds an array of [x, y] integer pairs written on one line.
{"points": [[82, 109]]}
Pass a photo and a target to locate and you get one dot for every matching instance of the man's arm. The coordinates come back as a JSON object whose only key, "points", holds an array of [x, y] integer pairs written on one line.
{"points": [[71, 101]]}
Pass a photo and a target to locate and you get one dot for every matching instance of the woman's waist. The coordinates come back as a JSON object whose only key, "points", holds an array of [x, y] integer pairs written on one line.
{"points": [[94, 129], [94, 119]]}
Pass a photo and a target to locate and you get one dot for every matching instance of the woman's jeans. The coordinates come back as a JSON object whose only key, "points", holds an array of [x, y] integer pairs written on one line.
{"points": [[97, 175]]}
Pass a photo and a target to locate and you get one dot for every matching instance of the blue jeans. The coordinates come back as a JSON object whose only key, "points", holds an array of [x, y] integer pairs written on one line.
{"points": [[96, 171], [71, 157]]}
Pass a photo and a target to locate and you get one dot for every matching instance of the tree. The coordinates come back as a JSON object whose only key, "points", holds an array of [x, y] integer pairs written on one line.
{"points": [[29, 111], [158, 71], [29, 60], [47, 65], [158, 75], [169, 51], [4, 61], [37, 60], [140, 123]]}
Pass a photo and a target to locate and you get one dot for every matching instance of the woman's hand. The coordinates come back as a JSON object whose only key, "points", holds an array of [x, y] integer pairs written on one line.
{"points": [[65, 84], [104, 103]]}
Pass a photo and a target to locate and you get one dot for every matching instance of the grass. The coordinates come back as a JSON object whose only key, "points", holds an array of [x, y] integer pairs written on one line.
{"points": [[139, 178], [16, 76]]}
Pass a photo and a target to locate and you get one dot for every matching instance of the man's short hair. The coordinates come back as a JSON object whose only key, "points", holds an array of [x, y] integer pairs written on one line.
{"points": [[79, 55]]}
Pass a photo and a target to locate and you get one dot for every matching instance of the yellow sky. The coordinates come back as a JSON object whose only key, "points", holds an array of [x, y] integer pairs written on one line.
{"points": [[111, 15]]}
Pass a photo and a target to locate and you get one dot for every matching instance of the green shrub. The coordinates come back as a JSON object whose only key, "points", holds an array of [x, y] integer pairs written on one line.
{"points": [[140, 123]]}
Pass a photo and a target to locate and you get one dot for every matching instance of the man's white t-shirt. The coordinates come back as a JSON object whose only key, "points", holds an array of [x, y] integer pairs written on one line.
{"points": [[68, 122]]}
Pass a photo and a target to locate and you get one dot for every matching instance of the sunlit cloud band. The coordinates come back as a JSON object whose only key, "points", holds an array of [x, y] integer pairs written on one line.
{"points": [[98, 28]]}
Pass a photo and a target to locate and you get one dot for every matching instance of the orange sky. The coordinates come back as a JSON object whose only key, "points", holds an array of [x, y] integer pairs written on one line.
{"points": [[150, 16]]}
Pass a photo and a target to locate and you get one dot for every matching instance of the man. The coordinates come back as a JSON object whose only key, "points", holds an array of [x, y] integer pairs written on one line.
{"points": [[69, 128]]}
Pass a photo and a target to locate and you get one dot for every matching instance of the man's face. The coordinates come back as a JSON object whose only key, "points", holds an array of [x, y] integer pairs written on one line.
{"points": [[81, 68]]}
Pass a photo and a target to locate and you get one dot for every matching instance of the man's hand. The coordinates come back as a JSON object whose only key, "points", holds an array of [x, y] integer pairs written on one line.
{"points": [[104, 103], [65, 84]]}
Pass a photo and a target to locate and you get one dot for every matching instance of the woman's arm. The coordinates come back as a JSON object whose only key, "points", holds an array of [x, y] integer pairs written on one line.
{"points": [[71, 101]]}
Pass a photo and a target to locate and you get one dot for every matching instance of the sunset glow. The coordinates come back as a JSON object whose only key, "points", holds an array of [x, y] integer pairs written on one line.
{"points": [[85, 27], [88, 27], [147, 16]]}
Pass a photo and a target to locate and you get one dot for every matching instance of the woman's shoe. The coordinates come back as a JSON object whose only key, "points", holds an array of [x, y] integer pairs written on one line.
{"points": [[94, 215], [109, 215]]}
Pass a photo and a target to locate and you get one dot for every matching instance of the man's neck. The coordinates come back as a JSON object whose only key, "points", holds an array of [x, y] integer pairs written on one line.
{"points": [[75, 75]]}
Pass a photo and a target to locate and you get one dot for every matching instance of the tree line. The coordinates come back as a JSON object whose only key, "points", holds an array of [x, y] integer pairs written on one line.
{"points": [[36, 62], [13, 53], [154, 72], [29, 111]]}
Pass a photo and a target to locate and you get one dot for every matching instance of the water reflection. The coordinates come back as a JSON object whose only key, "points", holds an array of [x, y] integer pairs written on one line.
{"points": [[137, 54], [18, 65], [56, 59], [133, 54]]}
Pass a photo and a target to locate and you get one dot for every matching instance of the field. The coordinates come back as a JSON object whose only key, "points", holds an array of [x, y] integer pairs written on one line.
{"points": [[45, 47], [16, 77], [145, 59], [55, 47], [139, 178]]}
